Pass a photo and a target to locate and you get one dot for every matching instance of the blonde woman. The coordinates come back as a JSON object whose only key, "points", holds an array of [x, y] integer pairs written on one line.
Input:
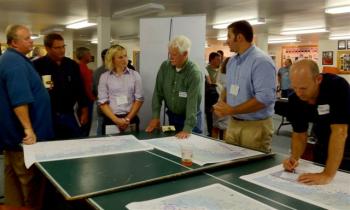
{"points": [[120, 94]]}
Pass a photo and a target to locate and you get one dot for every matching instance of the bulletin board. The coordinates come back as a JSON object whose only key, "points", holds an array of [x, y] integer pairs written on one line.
{"points": [[343, 60], [296, 53]]}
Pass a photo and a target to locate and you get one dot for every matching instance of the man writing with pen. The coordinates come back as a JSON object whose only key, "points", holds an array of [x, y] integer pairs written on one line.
{"points": [[323, 99]]}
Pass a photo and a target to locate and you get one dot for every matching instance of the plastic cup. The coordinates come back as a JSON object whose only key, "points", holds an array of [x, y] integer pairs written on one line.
{"points": [[186, 154]]}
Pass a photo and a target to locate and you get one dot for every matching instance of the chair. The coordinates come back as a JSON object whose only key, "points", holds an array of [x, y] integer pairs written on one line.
{"points": [[281, 108]]}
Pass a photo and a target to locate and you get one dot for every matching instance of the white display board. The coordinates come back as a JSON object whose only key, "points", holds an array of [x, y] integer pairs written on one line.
{"points": [[155, 34]]}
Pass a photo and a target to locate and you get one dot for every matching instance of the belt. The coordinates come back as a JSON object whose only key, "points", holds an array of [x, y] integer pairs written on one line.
{"points": [[238, 119]]}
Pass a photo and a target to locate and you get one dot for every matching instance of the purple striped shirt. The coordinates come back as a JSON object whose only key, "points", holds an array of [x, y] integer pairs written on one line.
{"points": [[120, 91]]}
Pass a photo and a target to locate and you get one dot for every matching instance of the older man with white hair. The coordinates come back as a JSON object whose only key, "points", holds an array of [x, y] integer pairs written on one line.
{"points": [[179, 84]]}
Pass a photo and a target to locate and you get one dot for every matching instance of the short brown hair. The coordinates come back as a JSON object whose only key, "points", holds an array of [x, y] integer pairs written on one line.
{"points": [[242, 27], [50, 38], [81, 51]]}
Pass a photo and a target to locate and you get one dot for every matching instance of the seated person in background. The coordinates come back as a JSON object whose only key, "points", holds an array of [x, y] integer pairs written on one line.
{"points": [[120, 94], [178, 84], [314, 100], [283, 79]]}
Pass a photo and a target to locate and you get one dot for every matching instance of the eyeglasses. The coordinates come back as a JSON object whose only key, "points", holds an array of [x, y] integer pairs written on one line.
{"points": [[59, 47]]}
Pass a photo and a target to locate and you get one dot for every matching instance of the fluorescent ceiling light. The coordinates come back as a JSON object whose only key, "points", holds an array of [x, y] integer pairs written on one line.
{"points": [[94, 41], [80, 24], [35, 36], [222, 38], [52, 30], [303, 31], [337, 37], [338, 10], [138, 11], [281, 39], [254, 21]]}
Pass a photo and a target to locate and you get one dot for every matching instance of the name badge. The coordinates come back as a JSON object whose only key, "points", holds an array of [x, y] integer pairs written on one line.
{"points": [[234, 90], [182, 94], [323, 109], [122, 100]]}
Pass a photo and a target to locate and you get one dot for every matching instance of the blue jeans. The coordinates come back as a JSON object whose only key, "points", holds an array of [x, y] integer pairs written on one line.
{"points": [[178, 121]]}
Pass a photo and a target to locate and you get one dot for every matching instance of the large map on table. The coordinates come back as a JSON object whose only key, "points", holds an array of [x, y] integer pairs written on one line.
{"points": [[215, 196], [335, 195], [204, 150], [68, 149]]}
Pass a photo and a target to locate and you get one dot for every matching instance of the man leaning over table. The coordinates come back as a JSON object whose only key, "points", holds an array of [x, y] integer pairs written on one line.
{"points": [[323, 99], [179, 84]]}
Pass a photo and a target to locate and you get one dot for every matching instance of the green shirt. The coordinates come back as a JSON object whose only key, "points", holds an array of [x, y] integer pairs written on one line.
{"points": [[181, 91], [212, 73]]}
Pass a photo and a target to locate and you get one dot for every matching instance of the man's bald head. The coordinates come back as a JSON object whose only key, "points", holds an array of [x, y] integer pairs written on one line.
{"points": [[305, 67], [305, 80]]}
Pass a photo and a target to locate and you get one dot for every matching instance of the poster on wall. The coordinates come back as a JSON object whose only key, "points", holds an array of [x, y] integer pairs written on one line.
{"points": [[296, 53], [341, 44], [327, 58]]}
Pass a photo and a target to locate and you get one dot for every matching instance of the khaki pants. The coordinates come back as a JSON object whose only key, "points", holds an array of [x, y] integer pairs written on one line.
{"points": [[255, 134], [23, 187]]}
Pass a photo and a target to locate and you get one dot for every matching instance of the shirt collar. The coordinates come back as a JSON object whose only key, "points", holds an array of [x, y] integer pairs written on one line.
{"points": [[126, 71], [245, 54], [183, 67]]}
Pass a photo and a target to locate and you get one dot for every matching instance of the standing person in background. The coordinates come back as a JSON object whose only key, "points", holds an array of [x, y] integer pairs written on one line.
{"points": [[220, 123], [211, 94], [222, 57], [251, 91], [25, 118], [84, 56], [283, 79], [67, 88], [179, 84], [37, 53], [314, 101], [96, 79], [120, 94]]}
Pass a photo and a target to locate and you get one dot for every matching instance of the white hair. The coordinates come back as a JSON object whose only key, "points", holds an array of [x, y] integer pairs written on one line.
{"points": [[181, 42]]}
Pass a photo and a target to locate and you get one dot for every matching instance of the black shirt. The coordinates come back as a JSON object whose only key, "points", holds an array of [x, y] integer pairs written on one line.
{"points": [[67, 88], [332, 107]]}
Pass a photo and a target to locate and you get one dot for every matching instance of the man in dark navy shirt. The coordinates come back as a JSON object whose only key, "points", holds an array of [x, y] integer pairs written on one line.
{"points": [[66, 90], [325, 100]]}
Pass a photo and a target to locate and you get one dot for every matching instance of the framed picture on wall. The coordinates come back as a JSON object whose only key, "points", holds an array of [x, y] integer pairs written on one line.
{"points": [[327, 58], [341, 44], [348, 44]]}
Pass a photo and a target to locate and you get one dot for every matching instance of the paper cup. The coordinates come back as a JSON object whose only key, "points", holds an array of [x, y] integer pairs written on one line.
{"points": [[47, 81]]}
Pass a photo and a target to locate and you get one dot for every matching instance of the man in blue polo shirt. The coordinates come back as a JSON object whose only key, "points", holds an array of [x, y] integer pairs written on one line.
{"points": [[25, 112], [251, 87]]}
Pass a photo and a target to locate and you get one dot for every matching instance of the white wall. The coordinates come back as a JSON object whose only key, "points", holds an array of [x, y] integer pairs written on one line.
{"points": [[327, 45]]}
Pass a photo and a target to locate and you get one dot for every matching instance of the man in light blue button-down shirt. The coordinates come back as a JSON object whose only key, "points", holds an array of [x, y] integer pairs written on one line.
{"points": [[250, 91]]}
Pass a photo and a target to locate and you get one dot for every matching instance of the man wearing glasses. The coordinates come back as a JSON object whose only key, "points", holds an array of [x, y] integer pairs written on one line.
{"points": [[63, 82]]}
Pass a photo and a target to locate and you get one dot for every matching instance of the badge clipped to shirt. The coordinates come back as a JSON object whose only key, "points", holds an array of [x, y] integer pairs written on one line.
{"points": [[122, 100], [182, 94], [234, 90], [323, 109]]}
